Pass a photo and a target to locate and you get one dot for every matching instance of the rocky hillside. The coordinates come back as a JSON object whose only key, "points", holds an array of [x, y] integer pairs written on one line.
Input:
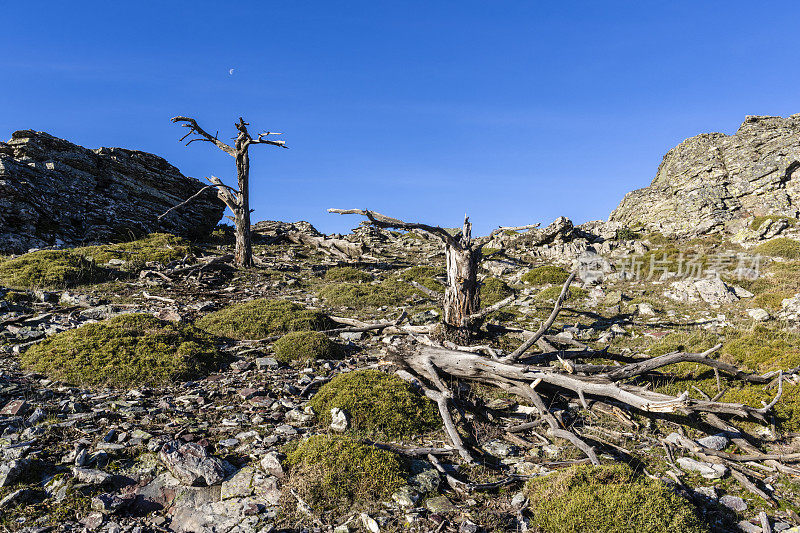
{"points": [[54, 192], [716, 182], [145, 388]]}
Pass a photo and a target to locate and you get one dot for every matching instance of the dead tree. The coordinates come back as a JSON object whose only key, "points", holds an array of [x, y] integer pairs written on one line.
{"points": [[462, 254], [238, 200]]}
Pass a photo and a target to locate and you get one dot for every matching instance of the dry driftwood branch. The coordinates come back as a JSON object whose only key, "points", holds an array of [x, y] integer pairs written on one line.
{"points": [[382, 221], [513, 228], [340, 248], [516, 354]]}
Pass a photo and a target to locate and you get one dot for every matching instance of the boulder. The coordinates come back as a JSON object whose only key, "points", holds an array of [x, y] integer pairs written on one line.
{"points": [[54, 192], [714, 182]]}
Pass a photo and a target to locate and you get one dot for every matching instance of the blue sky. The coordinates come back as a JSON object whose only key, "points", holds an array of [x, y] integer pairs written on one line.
{"points": [[513, 112]]}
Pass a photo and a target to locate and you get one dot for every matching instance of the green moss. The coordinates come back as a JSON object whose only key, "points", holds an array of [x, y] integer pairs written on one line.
{"points": [[154, 248], [425, 276], [305, 347], [626, 234], [786, 411], [58, 269], [334, 473], [612, 499], [551, 293], [49, 269], [378, 403], [347, 274], [132, 349], [488, 250], [363, 295], [545, 274], [780, 247], [657, 239], [763, 349], [493, 290], [757, 221], [770, 300], [261, 318], [691, 341]]}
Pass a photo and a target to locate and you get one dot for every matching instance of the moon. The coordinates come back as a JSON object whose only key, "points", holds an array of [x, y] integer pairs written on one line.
{"points": [[230, 72]]}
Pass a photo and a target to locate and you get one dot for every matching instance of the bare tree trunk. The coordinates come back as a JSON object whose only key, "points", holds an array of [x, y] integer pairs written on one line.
{"points": [[237, 200], [243, 253], [462, 296]]}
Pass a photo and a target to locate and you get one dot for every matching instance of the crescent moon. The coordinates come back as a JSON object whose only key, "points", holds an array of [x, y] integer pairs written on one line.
{"points": [[230, 72]]}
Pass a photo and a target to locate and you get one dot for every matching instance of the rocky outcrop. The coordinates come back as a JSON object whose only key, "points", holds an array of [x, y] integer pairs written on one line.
{"points": [[55, 192], [713, 182]]}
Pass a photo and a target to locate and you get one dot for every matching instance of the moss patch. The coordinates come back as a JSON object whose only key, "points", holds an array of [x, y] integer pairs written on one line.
{"points": [[364, 295], [684, 341], [262, 318], [757, 221], [587, 499], [334, 473], [551, 293], [780, 247], [378, 403], [545, 274], [305, 347], [134, 349], [786, 411], [493, 290], [763, 349], [347, 274], [425, 276], [155, 248], [58, 269], [49, 269]]}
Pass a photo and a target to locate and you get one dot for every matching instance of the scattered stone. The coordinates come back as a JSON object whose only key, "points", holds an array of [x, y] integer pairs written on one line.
{"points": [[191, 463], [271, 464], [90, 475], [406, 497], [714, 442], [14, 408], [707, 470], [340, 420], [734, 503], [369, 523], [759, 314], [440, 504], [12, 470]]}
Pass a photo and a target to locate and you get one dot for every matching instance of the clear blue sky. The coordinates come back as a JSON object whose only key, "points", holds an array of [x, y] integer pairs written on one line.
{"points": [[514, 112]]}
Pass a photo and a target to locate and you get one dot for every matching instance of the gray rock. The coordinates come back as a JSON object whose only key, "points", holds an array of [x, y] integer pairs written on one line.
{"points": [[711, 181], [11, 471], [734, 503], [406, 497], [340, 419], [55, 192], [715, 291], [714, 442], [707, 470], [271, 464], [191, 463], [90, 475], [759, 314], [440, 504]]}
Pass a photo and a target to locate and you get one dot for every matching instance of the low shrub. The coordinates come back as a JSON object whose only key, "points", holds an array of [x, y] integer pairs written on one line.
{"points": [[425, 276], [378, 403], [305, 347], [128, 350], [257, 319]]}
